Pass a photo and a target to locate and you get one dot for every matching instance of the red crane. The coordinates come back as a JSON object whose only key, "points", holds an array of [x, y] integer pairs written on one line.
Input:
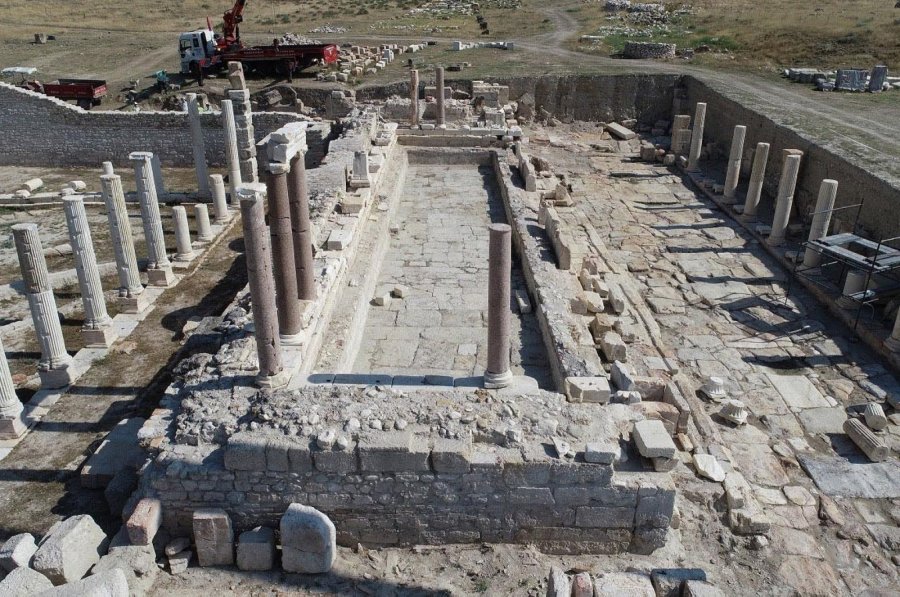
{"points": [[231, 33]]}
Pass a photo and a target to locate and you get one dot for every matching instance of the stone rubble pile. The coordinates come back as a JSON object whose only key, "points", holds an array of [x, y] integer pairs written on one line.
{"points": [[659, 582], [356, 61], [845, 79]]}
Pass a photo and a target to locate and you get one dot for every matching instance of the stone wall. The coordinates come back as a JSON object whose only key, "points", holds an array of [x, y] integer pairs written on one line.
{"points": [[36, 130], [857, 184], [647, 49]]}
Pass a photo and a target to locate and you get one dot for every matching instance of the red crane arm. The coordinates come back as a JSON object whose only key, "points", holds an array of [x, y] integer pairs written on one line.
{"points": [[231, 19]]}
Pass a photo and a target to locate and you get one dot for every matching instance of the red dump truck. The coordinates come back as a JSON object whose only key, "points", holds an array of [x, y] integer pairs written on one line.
{"points": [[87, 93]]}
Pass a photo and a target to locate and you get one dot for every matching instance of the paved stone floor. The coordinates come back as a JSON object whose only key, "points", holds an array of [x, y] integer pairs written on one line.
{"points": [[439, 254]]}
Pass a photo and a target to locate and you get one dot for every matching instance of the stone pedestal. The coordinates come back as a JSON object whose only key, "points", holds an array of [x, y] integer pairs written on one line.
{"points": [[854, 281], [220, 202], [246, 140], [98, 331], [733, 175], [359, 176], [159, 269], [131, 292], [785, 199], [262, 286], [12, 425], [290, 318], [199, 145], [204, 229], [184, 248], [231, 149], [757, 177], [498, 373], [821, 220], [681, 134], [414, 97], [439, 84], [697, 137], [301, 230], [55, 367]]}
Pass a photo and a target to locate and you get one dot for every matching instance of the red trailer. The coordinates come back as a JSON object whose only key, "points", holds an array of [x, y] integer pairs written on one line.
{"points": [[87, 93]]}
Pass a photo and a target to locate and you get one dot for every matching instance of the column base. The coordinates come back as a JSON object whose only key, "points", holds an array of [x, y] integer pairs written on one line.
{"points": [[12, 427], [99, 337], [222, 221], [845, 302], [205, 239], [272, 382], [745, 217], [53, 379], [495, 381], [133, 304], [892, 344], [291, 339], [811, 259], [161, 277], [775, 241], [726, 200], [184, 257]]}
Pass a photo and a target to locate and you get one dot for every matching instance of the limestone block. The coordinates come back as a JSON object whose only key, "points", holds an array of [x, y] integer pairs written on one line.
{"points": [[613, 347], [337, 460], [246, 452], [600, 324], [616, 299], [70, 548], [24, 581], [652, 440], [393, 452], [707, 466], [699, 588], [451, 455], [582, 585], [558, 584], [256, 549], [338, 240], [668, 581], [620, 132], [588, 389], [619, 584], [308, 540], [213, 537], [144, 522], [137, 562], [17, 552], [110, 583], [621, 376], [602, 452], [593, 302]]}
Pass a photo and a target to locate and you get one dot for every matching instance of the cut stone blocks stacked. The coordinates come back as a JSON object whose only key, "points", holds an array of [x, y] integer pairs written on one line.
{"points": [[243, 120]]}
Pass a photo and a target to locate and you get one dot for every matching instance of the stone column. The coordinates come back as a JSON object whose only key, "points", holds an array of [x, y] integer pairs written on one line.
{"points": [[785, 199], [55, 367], [498, 374], [231, 148], [220, 202], [201, 216], [854, 281], [98, 331], [159, 270], [414, 97], [199, 145], [158, 177], [12, 425], [821, 220], [107, 168], [892, 342], [184, 248], [733, 175], [131, 292], [301, 230], [262, 285], [290, 318], [697, 137], [439, 83], [757, 176]]}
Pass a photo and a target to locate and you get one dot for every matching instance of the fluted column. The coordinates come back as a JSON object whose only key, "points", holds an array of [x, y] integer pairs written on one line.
{"points": [[131, 292], [892, 342], [201, 217], [821, 220], [159, 269], [97, 330], [497, 373], [12, 425], [158, 176], [107, 168], [785, 199], [439, 82], [183, 247], [757, 177], [290, 319], [55, 367], [301, 229], [733, 175], [697, 137], [258, 253], [199, 145], [231, 148], [220, 202], [414, 97]]}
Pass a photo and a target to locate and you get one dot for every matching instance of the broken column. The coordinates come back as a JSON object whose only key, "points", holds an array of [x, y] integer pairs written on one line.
{"points": [[413, 97], [439, 84], [231, 148], [97, 331], [697, 137], [201, 217], [12, 425], [159, 270], [854, 283], [785, 199], [131, 291], [290, 318], [219, 201], [498, 374], [199, 145], [871, 445], [246, 141], [757, 176], [733, 174], [258, 253], [184, 249], [55, 368], [821, 220], [107, 168]]}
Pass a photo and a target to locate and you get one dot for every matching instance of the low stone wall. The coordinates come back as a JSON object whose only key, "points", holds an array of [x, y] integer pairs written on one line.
{"points": [[37, 130], [648, 50]]}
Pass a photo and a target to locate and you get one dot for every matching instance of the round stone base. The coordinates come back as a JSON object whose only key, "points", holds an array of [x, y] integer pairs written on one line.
{"points": [[494, 381]]}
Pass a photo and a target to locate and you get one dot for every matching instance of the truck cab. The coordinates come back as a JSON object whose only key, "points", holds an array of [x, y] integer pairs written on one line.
{"points": [[196, 49]]}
